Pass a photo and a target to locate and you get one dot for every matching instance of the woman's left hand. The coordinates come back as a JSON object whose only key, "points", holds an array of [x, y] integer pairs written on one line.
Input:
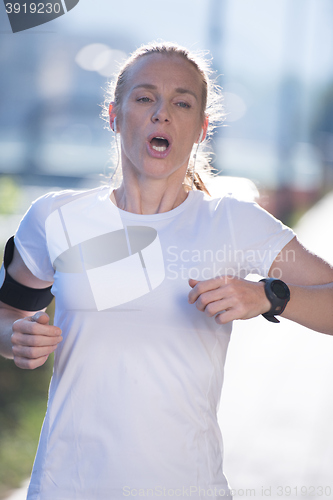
{"points": [[229, 298]]}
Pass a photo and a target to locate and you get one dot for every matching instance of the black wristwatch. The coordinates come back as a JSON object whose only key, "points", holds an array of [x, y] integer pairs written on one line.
{"points": [[278, 294]]}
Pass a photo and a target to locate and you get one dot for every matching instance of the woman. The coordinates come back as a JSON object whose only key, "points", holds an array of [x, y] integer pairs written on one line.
{"points": [[147, 280]]}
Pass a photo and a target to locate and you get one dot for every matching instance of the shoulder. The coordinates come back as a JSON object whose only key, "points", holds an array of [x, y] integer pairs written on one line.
{"points": [[41, 231], [230, 204], [229, 213], [56, 199], [244, 216], [240, 209]]}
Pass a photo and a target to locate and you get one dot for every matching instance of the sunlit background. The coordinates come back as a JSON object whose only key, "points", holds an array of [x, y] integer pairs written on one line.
{"points": [[274, 59]]}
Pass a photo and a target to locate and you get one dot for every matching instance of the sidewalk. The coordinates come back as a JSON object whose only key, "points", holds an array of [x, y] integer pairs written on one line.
{"points": [[20, 494]]}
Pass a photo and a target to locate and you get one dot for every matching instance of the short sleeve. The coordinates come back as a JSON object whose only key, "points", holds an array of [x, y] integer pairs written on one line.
{"points": [[258, 237], [30, 239]]}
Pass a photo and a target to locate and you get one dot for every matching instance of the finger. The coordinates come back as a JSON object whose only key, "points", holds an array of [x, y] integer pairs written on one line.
{"points": [[40, 317], [212, 296], [204, 286], [230, 313], [226, 316], [29, 364], [28, 326], [192, 282], [32, 352], [25, 339], [219, 306]]}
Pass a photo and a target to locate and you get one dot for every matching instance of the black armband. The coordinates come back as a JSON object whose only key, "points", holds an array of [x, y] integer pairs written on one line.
{"points": [[20, 296]]}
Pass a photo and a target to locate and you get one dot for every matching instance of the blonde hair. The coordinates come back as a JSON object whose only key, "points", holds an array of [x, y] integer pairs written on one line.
{"points": [[212, 101]]}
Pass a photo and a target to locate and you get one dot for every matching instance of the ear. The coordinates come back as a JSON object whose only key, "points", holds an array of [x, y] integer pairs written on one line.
{"points": [[112, 115], [205, 128], [203, 131]]}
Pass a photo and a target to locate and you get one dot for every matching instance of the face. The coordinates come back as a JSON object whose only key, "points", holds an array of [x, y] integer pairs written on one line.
{"points": [[160, 115]]}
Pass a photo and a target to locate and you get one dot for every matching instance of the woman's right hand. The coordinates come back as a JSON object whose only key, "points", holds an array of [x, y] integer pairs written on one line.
{"points": [[33, 340]]}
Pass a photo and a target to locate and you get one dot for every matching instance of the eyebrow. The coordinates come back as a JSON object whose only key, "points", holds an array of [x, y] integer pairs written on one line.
{"points": [[179, 90]]}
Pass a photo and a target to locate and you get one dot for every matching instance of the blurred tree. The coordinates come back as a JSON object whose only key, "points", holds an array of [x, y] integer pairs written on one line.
{"points": [[23, 393], [9, 194], [23, 396]]}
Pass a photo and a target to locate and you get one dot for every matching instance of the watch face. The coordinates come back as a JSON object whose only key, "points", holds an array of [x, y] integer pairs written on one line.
{"points": [[279, 289]]}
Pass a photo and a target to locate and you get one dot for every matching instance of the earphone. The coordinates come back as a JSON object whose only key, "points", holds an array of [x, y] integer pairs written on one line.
{"points": [[200, 136], [114, 124]]}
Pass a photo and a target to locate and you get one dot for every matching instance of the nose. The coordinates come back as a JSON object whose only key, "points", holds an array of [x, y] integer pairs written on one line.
{"points": [[161, 113]]}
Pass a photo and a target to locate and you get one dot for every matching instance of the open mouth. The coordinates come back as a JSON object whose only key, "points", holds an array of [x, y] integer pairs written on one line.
{"points": [[159, 144]]}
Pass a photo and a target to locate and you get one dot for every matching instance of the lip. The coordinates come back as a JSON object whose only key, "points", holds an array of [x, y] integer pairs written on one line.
{"points": [[159, 154]]}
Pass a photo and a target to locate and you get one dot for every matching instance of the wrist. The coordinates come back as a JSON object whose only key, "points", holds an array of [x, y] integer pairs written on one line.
{"points": [[266, 305]]}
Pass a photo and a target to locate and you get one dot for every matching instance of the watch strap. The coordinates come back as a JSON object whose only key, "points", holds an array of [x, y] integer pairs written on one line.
{"points": [[278, 305]]}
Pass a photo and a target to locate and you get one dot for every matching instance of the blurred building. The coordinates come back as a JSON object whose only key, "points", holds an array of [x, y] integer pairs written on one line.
{"points": [[50, 103], [274, 64]]}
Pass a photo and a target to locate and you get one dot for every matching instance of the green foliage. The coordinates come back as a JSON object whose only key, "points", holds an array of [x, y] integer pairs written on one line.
{"points": [[23, 400], [9, 194], [23, 397]]}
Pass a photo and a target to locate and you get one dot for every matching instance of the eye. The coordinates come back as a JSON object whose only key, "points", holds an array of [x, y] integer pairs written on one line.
{"points": [[183, 104], [143, 99]]}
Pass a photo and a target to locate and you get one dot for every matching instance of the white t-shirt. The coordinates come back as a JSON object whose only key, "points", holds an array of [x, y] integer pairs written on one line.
{"points": [[138, 376]]}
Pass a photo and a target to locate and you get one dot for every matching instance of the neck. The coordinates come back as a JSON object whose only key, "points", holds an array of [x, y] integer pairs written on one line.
{"points": [[154, 196]]}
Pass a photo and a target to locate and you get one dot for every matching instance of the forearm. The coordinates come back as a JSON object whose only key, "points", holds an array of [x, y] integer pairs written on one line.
{"points": [[7, 318], [311, 306]]}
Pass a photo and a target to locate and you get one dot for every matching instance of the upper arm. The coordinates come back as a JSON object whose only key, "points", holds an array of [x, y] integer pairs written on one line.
{"points": [[19, 272], [298, 266]]}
